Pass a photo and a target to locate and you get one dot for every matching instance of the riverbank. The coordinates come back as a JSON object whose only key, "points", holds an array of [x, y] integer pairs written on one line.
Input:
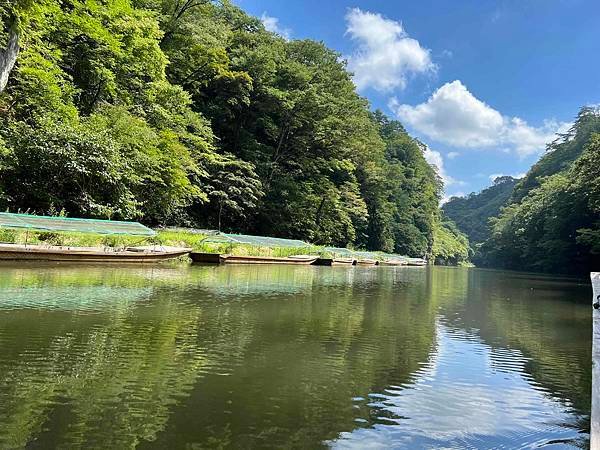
{"points": [[203, 241]]}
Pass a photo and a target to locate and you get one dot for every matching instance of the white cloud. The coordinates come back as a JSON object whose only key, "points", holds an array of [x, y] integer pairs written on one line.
{"points": [[453, 155], [386, 56], [272, 25], [530, 140], [454, 116], [435, 159]]}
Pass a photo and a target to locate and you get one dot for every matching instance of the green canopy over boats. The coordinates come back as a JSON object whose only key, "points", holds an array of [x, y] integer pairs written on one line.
{"points": [[49, 223]]}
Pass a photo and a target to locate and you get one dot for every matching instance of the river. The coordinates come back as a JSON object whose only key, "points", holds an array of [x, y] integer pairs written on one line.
{"points": [[292, 357]]}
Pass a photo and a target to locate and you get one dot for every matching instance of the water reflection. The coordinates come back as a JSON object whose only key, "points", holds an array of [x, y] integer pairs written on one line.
{"points": [[469, 396], [281, 356]]}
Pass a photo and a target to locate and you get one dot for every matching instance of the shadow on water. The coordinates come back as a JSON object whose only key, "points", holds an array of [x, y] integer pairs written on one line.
{"points": [[282, 356]]}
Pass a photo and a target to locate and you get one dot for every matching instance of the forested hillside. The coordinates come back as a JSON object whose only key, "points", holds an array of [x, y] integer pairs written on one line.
{"points": [[191, 113], [473, 212], [552, 223]]}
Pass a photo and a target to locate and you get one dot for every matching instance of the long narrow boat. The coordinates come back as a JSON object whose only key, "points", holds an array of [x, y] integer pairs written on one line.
{"points": [[296, 259], [338, 261], [366, 262], [393, 262], [19, 252], [215, 258], [417, 262]]}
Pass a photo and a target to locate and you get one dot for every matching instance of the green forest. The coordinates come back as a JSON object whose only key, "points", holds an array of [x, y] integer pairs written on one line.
{"points": [[191, 113], [549, 221], [471, 213]]}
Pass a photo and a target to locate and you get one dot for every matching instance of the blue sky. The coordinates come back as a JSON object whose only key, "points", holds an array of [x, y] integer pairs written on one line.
{"points": [[484, 83]]}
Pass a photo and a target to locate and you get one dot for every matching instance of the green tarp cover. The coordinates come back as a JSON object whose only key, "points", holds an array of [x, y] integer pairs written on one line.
{"points": [[259, 241], [47, 223], [339, 251]]}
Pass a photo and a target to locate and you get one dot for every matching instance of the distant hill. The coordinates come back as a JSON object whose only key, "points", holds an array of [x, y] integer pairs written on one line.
{"points": [[471, 214]]}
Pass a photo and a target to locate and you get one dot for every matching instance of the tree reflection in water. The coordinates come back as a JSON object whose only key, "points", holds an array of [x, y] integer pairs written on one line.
{"points": [[282, 356]]}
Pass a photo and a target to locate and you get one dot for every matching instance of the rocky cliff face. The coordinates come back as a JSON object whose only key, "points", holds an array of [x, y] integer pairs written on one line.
{"points": [[8, 57]]}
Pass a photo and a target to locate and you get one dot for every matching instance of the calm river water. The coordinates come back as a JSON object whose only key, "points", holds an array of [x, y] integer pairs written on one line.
{"points": [[292, 357]]}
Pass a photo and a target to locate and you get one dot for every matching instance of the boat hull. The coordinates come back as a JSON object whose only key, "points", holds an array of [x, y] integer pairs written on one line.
{"points": [[417, 263], [393, 263], [15, 252], [366, 262], [232, 259], [334, 262], [342, 262]]}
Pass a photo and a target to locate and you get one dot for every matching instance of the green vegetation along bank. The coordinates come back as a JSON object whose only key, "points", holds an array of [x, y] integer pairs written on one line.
{"points": [[207, 241], [549, 221], [192, 114]]}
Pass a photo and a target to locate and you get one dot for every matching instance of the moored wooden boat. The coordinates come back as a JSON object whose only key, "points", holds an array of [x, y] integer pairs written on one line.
{"points": [[150, 254], [339, 261], [366, 262], [417, 262], [393, 262], [296, 259], [215, 258]]}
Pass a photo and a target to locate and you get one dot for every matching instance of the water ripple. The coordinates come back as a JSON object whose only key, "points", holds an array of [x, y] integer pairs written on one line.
{"points": [[470, 395]]}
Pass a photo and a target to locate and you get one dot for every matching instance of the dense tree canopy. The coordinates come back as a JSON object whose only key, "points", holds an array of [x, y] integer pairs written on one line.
{"points": [[472, 213], [552, 221], [190, 112], [450, 246]]}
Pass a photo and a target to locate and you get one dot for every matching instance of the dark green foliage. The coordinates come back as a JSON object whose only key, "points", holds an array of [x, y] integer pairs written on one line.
{"points": [[410, 193], [450, 246], [190, 112], [471, 214], [61, 166]]}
